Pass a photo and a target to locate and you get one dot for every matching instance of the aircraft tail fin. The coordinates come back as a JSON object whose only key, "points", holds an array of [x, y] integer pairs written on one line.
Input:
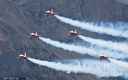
{"points": [[36, 33], [25, 54], [52, 11], [75, 31]]}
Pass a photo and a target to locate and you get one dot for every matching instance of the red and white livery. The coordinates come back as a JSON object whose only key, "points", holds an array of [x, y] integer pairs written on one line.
{"points": [[23, 56], [50, 12], [103, 57], [34, 35], [73, 33]]}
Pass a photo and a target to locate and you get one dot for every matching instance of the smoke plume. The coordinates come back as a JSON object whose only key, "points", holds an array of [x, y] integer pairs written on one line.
{"points": [[98, 68], [83, 49], [94, 28], [120, 63], [108, 44]]}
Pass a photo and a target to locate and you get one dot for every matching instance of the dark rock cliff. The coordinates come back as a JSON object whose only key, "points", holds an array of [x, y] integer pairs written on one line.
{"points": [[19, 18]]}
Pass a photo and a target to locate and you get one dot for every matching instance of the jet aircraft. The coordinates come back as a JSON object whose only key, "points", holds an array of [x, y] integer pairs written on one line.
{"points": [[103, 57], [34, 35], [23, 56], [50, 12], [73, 33]]}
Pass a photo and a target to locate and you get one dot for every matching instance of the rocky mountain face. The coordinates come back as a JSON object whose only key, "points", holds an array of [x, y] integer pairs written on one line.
{"points": [[19, 18], [123, 1]]}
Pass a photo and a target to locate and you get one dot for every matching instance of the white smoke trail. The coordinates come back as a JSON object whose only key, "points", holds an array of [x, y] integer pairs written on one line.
{"points": [[94, 28], [120, 63], [109, 44], [98, 68], [83, 50]]}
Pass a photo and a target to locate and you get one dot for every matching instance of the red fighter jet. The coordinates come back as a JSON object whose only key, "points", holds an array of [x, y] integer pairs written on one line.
{"points": [[50, 12], [23, 56], [34, 35], [73, 33], [103, 57]]}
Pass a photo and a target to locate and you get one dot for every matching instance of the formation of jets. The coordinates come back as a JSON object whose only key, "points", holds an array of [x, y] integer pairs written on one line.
{"points": [[72, 33]]}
